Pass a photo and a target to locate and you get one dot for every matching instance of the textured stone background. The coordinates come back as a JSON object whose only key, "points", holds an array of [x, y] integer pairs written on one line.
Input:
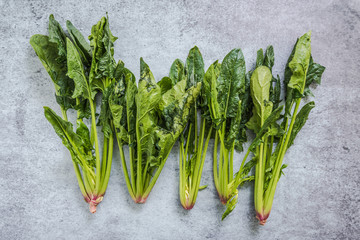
{"points": [[318, 198]]}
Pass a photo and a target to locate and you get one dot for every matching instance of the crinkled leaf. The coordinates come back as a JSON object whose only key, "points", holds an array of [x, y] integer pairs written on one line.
{"points": [[210, 82], [48, 55], [234, 129], [147, 100], [269, 57], [80, 43], [172, 95], [275, 91], [102, 45], [57, 36], [177, 71], [177, 112], [76, 72], [314, 74], [105, 116]]}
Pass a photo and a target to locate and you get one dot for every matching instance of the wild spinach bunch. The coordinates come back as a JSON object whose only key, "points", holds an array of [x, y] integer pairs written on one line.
{"points": [[273, 139], [80, 71], [148, 118], [195, 138], [227, 93]]}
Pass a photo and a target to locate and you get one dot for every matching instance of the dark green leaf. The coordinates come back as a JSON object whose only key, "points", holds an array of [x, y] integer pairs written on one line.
{"points": [[231, 83], [259, 58], [80, 43], [275, 91], [269, 57], [48, 55], [194, 69], [102, 45], [177, 71], [165, 84], [300, 121], [57, 36], [76, 72], [211, 93]]}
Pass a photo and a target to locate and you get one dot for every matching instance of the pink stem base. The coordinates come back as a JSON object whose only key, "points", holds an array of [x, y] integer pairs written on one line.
{"points": [[262, 217], [140, 199], [93, 202]]}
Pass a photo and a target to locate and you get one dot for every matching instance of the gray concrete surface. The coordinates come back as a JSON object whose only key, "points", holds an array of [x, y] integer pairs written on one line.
{"points": [[318, 198]]}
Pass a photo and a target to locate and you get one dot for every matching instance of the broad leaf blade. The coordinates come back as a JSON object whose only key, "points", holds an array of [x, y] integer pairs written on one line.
{"points": [[48, 55], [80, 43]]}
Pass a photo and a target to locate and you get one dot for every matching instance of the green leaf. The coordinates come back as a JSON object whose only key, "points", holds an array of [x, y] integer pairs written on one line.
{"points": [[122, 104], [211, 93], [275, 92], [260, 93], [299, 64], [147, 100], [259, 58], [102, 45], [57, 36], [314, 74], [300, 121], [289, 93], [83, 108], [165, 84], [231, 204], [177, 71], [83, 132], [177, 112], [202, 187], [172, 95], [266, 127], [80, 43], [269, 57], [231, 83], [105, 116], [246, 113], [234, 129], [194, 69], [76, 72], [77, 143], [48, 55]]}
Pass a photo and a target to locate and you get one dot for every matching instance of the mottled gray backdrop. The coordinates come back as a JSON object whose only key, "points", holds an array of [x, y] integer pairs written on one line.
{"points": [[318, 198]]}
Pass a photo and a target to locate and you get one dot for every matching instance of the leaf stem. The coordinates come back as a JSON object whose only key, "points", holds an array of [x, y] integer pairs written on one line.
{"points": [[270, 192], [97, 151]]}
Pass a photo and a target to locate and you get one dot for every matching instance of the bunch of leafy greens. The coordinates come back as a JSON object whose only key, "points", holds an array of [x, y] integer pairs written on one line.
{"points": [[148, 118], [226, 87], [80, 71], [193, 145], [272, 139]]}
